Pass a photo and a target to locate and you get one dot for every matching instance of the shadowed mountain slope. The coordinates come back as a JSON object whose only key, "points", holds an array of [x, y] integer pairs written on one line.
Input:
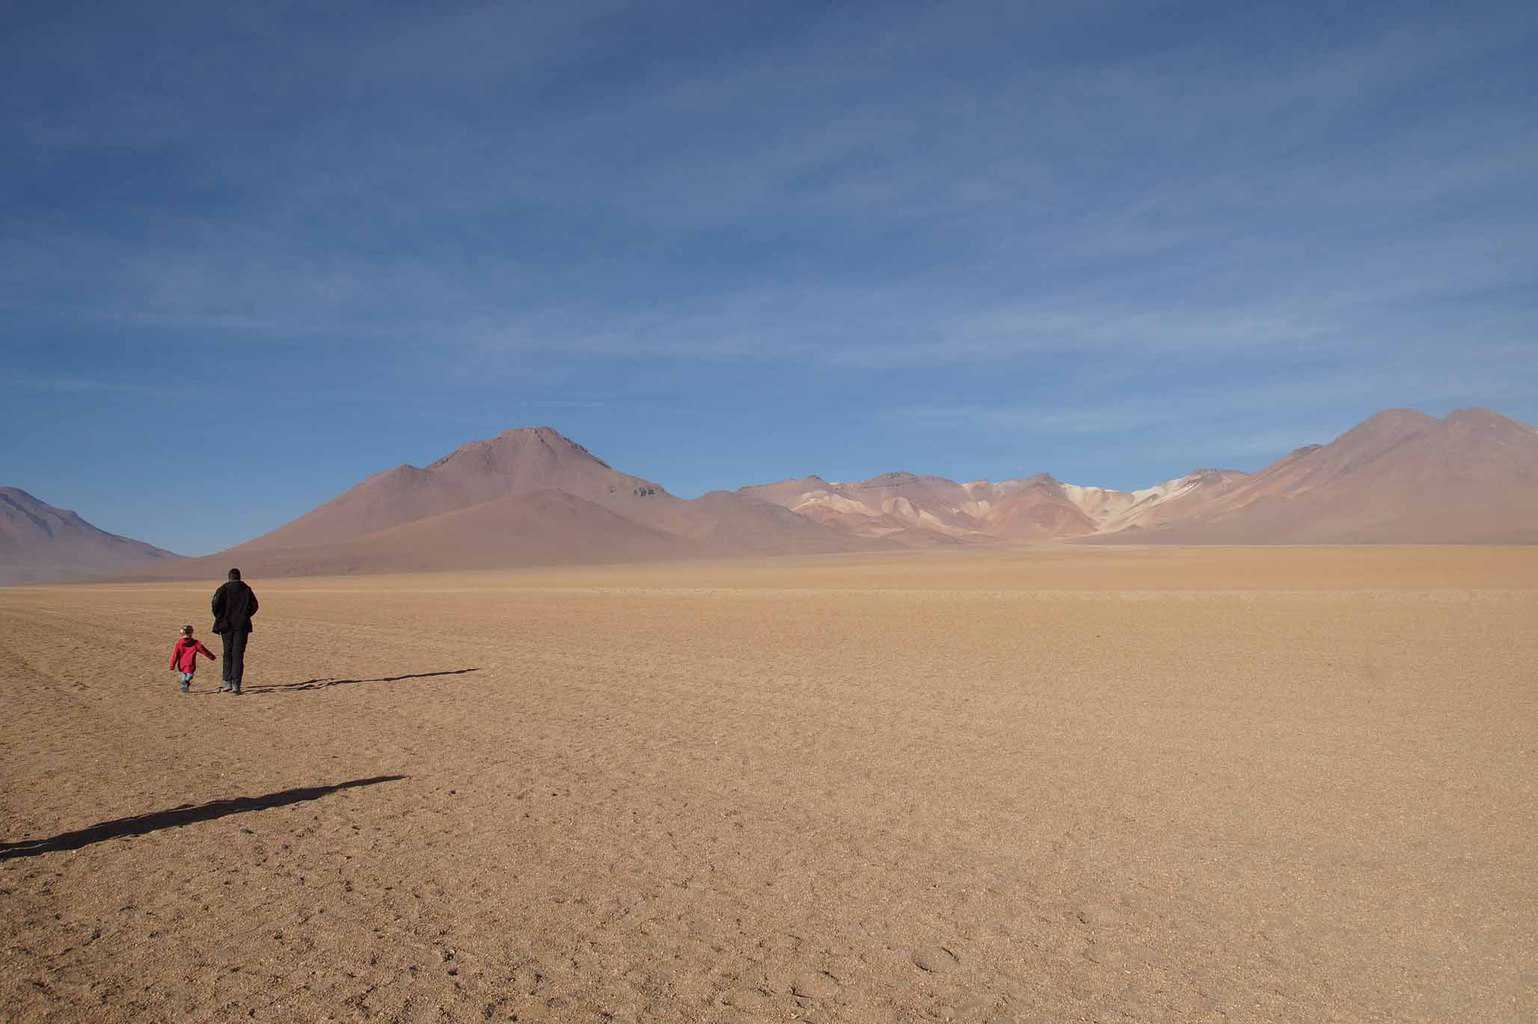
{"points": [[40, 543]]}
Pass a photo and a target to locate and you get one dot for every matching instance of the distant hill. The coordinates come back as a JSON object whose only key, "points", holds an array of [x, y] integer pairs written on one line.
{"points": [[40, 543], [1399, 477], [515, 462]]}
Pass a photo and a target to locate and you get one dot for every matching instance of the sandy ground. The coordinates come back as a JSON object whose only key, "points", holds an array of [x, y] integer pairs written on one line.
{"points": [[1054, 785]]}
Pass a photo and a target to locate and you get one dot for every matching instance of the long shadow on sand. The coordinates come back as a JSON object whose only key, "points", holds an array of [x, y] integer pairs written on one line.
{"points": [[323, 682], [186, 814]]}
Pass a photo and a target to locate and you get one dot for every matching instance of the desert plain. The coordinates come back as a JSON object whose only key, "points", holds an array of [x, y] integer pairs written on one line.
{"points": [[1037, 785]]}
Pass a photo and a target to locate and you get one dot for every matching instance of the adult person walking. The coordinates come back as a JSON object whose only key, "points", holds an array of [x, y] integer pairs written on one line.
{"points": [[233, 605]]}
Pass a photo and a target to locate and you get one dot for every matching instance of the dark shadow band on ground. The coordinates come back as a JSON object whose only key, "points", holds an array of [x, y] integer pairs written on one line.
{"points": [[323, 682], [176, 817]]}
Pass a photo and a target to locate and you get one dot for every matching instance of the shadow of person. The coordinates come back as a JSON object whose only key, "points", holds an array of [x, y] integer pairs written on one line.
{"points": [[324, 681], [186, 814]]}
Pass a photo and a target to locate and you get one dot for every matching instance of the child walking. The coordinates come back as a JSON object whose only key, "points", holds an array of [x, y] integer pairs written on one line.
{"points": [[184, 656]]}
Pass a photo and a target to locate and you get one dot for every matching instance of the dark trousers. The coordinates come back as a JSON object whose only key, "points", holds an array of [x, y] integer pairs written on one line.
{"points": [[234, 663]]}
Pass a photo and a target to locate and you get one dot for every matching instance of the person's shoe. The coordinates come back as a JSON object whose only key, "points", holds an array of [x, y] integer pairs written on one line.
{"points": [[186, 687]]}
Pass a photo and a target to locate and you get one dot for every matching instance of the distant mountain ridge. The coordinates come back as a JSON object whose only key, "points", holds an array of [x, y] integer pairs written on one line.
{"points": [[532, 496], [920, 511]]}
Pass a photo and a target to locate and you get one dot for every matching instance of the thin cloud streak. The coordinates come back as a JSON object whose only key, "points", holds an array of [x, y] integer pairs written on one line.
{"points": [[76, 385]]}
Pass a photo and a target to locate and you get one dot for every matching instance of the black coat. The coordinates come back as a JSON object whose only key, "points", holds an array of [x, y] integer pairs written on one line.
{"points": [[234, 604]]}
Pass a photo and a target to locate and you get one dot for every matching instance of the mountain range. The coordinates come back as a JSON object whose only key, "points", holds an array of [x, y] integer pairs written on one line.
{"points": [[533, 497]]}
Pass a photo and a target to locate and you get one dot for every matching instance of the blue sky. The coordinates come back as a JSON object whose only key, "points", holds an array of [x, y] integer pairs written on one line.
{"points": [[253, 253]]}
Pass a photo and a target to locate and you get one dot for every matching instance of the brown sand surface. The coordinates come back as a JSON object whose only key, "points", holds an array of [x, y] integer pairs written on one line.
{"points": [[1044, 785]]}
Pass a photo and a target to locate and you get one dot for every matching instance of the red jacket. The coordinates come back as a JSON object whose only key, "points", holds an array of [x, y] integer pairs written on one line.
{"points": [[184, 656]]}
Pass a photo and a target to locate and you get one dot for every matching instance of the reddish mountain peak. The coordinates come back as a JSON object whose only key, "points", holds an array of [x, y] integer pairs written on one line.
{"points": [[1364, 443], [1399, 414], [518, 441], [518, 461], [904, 479], [1390, 424], [812, 481], [404, 471], [1018, 484], [548, 436]]}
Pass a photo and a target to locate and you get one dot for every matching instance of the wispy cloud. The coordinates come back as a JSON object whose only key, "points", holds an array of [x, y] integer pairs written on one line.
{"points": [[69, 385], [1186, 199]]}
